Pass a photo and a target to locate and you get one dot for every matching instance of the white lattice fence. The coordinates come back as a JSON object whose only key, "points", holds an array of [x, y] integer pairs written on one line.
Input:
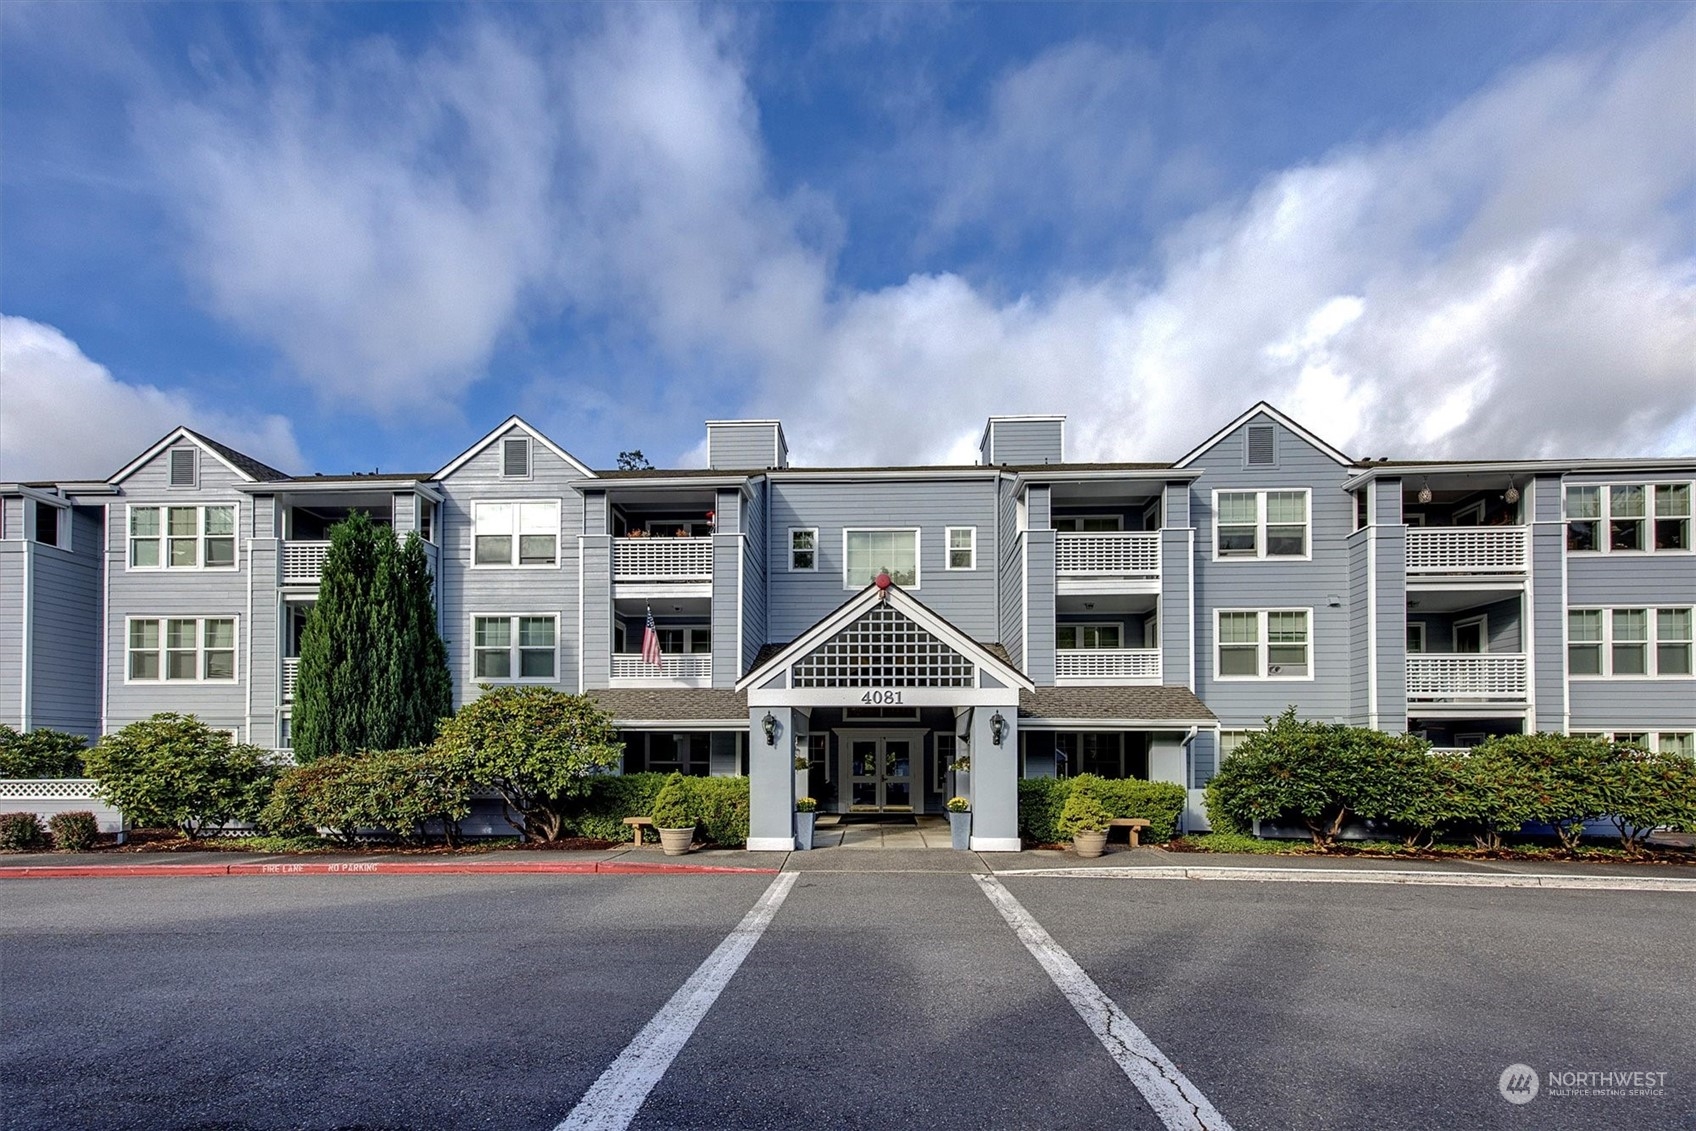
{"points": [[1107, 663], [1470, 549], [47, 796], [1132, 554], [884, 649], [304, 561], [662, 559], [1438, 677], [687, 666]]}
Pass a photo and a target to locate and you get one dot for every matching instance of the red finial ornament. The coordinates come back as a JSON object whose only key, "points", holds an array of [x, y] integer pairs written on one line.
{"points": [[882, 581]]}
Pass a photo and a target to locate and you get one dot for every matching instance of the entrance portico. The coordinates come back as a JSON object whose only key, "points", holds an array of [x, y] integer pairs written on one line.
{"points": [[898, 705]]}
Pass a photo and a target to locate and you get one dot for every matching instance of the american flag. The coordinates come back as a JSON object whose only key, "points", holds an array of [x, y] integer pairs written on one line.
{"points": [[651, 643]]}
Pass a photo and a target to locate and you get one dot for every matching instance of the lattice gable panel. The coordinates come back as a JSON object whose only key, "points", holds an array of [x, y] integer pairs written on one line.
{"points": [[884, 648]]}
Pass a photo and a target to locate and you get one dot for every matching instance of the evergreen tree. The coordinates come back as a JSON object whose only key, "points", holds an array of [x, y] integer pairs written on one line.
{"points": [[332, 691], [411, 691]]}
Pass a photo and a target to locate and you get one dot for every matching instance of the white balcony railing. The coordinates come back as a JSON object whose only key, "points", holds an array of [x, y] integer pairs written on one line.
{"points": [[303, 562], [662, 559], [1466, 677], [1107, 663], [692, 666], [1131, 554], [291, 672], [1466, 549]]}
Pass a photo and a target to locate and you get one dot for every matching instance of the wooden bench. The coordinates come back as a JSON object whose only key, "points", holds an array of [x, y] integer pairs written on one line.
{"points": [[1132, 825], [640, 823]]}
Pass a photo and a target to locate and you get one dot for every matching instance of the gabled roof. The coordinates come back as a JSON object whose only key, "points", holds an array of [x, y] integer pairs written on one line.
{"points": [[904, 603], [1262, 408], [507, 425], [243, 465]]}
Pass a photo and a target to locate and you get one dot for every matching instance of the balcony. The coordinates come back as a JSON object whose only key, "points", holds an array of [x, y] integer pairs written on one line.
{"points": [[690, 669], [303, 562], [291, 672], [1107, 665], [1466, 551], [1107, 562], [1466, 678], [662, 561]]}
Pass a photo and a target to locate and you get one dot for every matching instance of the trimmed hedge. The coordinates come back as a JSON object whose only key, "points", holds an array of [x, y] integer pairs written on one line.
{"points": [[173, 769], [719, 803], [1041, 800], [21, 832], [40, 754], [75, 831], [400, 791]]}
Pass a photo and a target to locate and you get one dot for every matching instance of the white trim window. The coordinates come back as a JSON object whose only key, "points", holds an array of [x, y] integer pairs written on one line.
{"points": [[868, 552], [1629, 643], [1254, 525], [1087, 523], [691, 640], [1104, 635], [1263, 644], [1622, 518], [196, 537], [1680, 742], [962, 543], [515, 649], [521, 533], [180, 649], [803, 549]]}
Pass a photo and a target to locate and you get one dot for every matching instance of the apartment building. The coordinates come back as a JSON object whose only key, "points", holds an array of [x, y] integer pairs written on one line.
{"points": [[893, 626]]}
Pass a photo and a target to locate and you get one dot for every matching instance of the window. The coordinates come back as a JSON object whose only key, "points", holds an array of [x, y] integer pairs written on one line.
{"points": [[1087, 636], [688, 754], [47, 523], [427, 520], [962, 547], [1616, 518], [866, 553], [1677, 742], [1472, 635], [1362, 513], [514, 647], [182, 649], [1415, 637], [803, 549], [1263, 644], [1088, 524], [679, 641], [1260, 524], [184, 467], [1680, 742], [515, 458], [515, 534], [191, 538], [1629, 643]]}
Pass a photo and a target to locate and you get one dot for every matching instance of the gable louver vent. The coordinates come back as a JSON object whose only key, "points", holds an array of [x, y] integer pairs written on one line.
{"points": [[515, 459], [182, 467], [1262, 446]]}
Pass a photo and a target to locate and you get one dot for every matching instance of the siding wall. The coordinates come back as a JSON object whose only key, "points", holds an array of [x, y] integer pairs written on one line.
{"points": [[1024, 442], [755, 570], [65, 638], [730, 633], [14, 560], [1040, 591], [741, 446], [1390, 542], [1276, 583], [1010, 572]]}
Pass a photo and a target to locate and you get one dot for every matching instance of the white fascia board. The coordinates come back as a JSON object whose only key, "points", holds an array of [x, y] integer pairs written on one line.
{"points": [[715, 482], [179, 433], [738, 724], [341, 486], [1523, 467]]}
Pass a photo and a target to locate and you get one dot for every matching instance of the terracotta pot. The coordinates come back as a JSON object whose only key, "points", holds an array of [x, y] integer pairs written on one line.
{"points": [[1090, 845], [676, 842]]}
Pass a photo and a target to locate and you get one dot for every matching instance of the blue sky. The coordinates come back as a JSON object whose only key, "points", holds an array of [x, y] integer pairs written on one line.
{"points": [[358, 236]]}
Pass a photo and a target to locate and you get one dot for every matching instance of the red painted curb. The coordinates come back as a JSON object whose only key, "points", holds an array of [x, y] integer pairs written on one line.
{"points": [[372, 868]]}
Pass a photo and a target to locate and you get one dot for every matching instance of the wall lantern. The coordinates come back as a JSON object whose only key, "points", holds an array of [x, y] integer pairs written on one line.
{"points": [[769, 724], [997, 728]]}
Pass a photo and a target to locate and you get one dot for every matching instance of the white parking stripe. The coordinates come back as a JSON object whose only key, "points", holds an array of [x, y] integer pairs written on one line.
{"points": [[613, 1100], [1179, 1103]]}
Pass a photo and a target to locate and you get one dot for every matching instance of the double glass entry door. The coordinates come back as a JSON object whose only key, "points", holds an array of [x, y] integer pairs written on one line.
{"points": [[880, 774]]}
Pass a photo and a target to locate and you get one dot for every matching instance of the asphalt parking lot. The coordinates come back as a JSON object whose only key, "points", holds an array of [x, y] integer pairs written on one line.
{"points": [[871, 999]]}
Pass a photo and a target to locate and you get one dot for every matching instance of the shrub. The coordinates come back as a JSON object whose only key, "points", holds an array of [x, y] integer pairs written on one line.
{"points": [[40, 754], [21, 832], [1159, 803], [600, 812], [175, 770], [400, 791], [673, 808], [76, 831], [1083, 813], [1319, 773], [1218, 820], [539, 748], [1643, 791], [1490, 795], [721, 805], [1565, 774]]}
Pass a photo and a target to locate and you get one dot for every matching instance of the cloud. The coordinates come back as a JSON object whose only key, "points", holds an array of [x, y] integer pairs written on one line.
{"points": [[1515, 278], [65, 417]]}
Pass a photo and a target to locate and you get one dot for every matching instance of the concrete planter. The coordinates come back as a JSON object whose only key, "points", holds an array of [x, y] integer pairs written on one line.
{"points": [[1090, 845], [960, 830], [804, 830], [676, 842]]}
